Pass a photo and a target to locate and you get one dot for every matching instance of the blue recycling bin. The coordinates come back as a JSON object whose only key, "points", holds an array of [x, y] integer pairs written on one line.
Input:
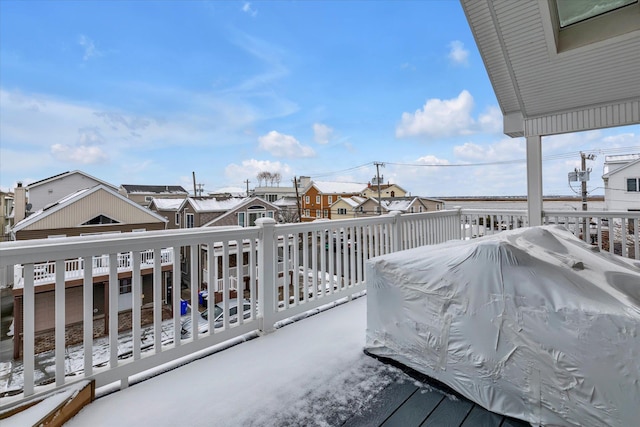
{"points": [[183, 307]]}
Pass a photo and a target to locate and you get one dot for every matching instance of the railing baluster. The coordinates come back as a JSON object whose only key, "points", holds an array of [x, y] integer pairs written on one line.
{"points": [[87, 317], [225, 288], [28, 336], [113, 311], [176, 294], [60, 326], [136, 303], [157, 301]]}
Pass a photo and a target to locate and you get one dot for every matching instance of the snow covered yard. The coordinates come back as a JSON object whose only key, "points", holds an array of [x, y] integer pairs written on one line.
{"points": [[312, 372]]}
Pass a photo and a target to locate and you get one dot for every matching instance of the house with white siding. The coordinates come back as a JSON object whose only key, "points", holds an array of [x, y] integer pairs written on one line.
{"points": [[622, 182]]}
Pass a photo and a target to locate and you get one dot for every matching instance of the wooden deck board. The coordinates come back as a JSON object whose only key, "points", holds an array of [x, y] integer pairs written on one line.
{"points": [[480, 417], [406, 404], [449, 413], [415, 410]]}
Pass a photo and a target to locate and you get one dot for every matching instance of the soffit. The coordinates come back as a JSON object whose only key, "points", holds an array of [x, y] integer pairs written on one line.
{"points": [[529, 76]]}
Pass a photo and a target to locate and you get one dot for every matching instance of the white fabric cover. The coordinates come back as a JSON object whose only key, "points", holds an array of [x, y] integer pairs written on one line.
{"points": [[530, 323]]}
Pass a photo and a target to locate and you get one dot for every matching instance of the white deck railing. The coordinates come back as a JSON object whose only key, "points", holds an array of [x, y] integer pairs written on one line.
{"points": [[296, 268], [45, 272]]}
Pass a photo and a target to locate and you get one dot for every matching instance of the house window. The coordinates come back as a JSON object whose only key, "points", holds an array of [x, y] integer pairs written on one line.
{"points": [[125, 286], [419, 208], [329, 199], [317, 199], [270, 214], [377, 209], [272, 197], [411, 209], [306, 199], [307, 213], [100, 220], [177, 218], [148, 198], [633, 184], [189, 221], [342, 211], [241, 219], [393, 194], [318, 213], [326, 213]]}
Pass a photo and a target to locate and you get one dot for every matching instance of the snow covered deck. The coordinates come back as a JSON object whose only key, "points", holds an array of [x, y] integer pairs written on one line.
{"points": [[312, 372]]}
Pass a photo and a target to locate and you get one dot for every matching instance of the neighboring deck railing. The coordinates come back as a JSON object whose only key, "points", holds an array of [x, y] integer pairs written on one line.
{"points": [[290, 269], [45, 272]]}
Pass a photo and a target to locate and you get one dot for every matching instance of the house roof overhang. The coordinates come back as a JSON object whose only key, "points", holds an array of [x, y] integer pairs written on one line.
{"points": [[551, 80]]}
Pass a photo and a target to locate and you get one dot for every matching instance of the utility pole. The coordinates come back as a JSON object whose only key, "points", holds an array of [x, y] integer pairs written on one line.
{"points": [[582, 175], [194, 184], [247, 182], [378, 164], [295, 184], [200, 190]]}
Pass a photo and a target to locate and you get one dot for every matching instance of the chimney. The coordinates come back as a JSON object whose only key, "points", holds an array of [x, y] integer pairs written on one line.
{"points": [[20, 203]]}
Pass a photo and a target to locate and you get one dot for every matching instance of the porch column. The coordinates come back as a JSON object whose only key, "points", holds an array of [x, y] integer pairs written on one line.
{"points": [[534, 179]]}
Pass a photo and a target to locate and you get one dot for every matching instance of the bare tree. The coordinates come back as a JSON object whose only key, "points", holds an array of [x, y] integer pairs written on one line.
{"points": [[277, 178], [288, 214], [263, 176]]}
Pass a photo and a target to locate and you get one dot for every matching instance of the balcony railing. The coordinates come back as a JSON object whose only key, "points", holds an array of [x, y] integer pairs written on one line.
{"points": [[45, 272], [287, 270]]}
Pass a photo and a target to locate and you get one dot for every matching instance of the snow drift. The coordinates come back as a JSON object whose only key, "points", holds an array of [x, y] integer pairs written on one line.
{"points": [[530, 323]]}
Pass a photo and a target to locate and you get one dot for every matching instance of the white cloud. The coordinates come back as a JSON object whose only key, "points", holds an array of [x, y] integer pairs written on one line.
{"points": [[439, 118], [505, 149], [82, 154], [281, 145], [246, 7], [322, 134], [491, 121], [250, 168], [89, 47], [449, 117], [457, 53]]}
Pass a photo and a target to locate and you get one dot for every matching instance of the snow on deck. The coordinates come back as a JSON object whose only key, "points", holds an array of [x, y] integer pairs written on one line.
{"points": [[306, 373]]}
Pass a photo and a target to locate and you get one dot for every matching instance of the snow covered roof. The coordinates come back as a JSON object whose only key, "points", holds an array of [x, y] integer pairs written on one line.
{"points": [[617, 165], [332, 187], [234, 191], [353, 201], [286, 201], [215, 205], [167, 204], [398, 205], [155, 189]]}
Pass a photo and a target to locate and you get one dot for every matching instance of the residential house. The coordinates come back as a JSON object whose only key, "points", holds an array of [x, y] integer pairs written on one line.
{"points": [[345, 207], [228, 192], [212, 212], [54, 188], [288, 209], [90, 211], [401, 204], [272, 193], [169, 209], [6, 214], [622, 182], [319, 196], [144, 194], [386, 190]]}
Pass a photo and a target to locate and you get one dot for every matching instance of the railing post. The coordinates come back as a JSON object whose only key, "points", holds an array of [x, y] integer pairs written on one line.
{"points": [[396, 235], [267, 260], [458, 232]]}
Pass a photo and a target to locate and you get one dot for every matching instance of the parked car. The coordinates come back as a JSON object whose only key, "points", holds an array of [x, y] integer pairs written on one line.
{"points": [[218, 319]]}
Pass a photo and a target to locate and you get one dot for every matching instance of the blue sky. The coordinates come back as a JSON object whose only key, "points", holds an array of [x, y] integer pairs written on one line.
{"points": [[148, 92]]}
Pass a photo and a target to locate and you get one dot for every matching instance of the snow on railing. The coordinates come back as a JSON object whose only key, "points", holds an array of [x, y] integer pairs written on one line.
{"points": [[279, 271]]}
